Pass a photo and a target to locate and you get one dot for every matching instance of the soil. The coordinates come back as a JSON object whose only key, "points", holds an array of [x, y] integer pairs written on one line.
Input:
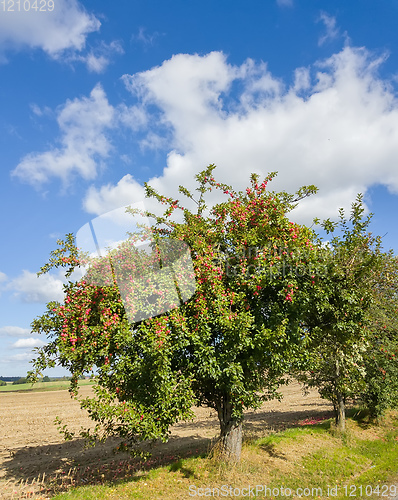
{"points": [[31, 446]]}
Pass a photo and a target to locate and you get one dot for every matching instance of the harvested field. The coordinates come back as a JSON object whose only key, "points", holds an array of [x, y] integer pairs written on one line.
{"points": [[31, 446]]}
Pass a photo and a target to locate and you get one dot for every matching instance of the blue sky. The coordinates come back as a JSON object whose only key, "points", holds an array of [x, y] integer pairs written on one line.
{"points": [[98, 97]]}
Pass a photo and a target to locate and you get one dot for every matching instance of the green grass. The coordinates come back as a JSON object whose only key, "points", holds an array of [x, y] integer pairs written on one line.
{"points": [[312, 456], [40, 386]]}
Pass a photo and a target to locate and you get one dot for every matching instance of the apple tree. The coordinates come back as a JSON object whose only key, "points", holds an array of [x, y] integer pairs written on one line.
{"points": [[381, 360], [337, 316], [228, 347]]}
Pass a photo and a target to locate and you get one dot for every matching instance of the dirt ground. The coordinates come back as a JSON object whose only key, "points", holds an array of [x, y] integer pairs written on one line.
{"points": [[31, 445]]}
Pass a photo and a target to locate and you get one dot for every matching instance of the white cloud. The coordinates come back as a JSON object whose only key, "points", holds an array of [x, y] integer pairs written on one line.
{"points": [[330, 26], [98, 59], [3, 279], [13, 331], [96, 64], [36, 109], [16, 358], [65, 28], [126, 159], [41, 111], [126, 192], [302, 80], [326, 204], [144, 38], [26, 343], [133, 117], [28, 287], [190, 97], [83, 123], [335, 127]]}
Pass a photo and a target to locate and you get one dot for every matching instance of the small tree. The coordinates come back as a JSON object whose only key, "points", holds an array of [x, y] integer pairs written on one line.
{"points": [[381, 360], [227, 348], [338, 310]]}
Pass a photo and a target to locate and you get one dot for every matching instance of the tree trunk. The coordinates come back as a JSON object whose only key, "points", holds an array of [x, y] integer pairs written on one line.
{"points": [[340, 412], [230, 440], [339, 405]]}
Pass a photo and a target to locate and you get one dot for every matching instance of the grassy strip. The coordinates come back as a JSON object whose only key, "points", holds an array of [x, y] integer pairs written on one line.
{"points": [[41, 386], [312, 456]]}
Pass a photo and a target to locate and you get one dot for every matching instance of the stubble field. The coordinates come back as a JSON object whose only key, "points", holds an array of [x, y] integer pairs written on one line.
{"points": [[31, 446]]}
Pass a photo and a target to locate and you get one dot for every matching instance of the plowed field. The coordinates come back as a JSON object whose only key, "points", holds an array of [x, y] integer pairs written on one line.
{"points": [[31, 445]]}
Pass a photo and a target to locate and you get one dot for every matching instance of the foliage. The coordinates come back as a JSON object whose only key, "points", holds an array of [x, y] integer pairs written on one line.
{"points": [[339, 309], [227, 348], [2, 383], [381, 361], [22, 380], [381, 391]]}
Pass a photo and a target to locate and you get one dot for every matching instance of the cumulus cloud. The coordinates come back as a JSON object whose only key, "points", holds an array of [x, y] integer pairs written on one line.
{"points": [[186, 89], [64, 28], [330, 27], [133, 117], [28, 287], [126, 192], [83, 123], [336, 126], [13, 331], [96, 64], [27, 343]]}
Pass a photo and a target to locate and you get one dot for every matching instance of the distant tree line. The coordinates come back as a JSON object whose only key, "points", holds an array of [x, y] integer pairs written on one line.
{"points": [[9, 379], [24, 380]]}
